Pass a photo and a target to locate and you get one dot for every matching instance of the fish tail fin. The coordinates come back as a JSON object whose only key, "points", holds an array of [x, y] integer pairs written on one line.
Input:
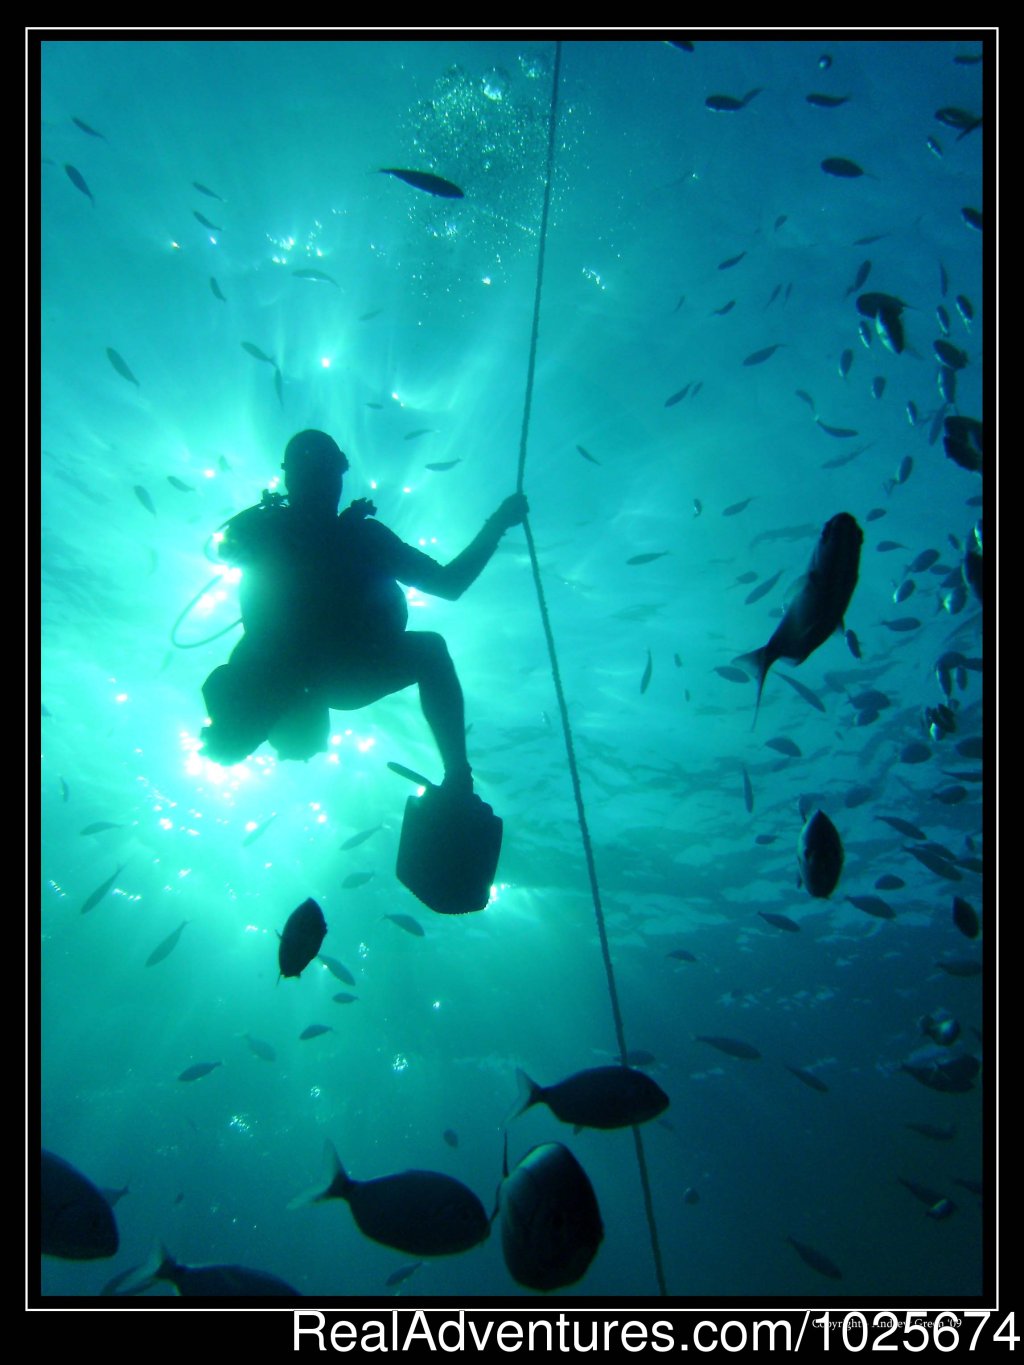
{"points": [[146, 1275], [335, 1185], [757, 659], [529, 1094]]}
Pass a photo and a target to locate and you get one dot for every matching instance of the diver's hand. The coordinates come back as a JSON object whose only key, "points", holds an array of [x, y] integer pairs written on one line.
{"points": [[359, 509], [512, 512]]}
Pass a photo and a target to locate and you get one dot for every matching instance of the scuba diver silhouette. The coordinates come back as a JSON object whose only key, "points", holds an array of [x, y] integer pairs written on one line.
{"points": [[325, 620]]}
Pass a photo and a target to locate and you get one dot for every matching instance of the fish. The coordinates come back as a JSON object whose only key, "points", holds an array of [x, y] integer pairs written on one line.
{"points": [[912, 416], [963, 967], [818, 609], [261, 1049], [365, 317], [820, 855], [729, 104], [954, 1075], [962, 442], [345, 998], [824, 62], [144, 497], [259, 830], [877, 386], [748, 793], [972, 217], [934, 146], [551, 1225], [212, 1281], [888, 881], [402, 1274], [731, 261], [422, 1213], [902, 624], [960, 119], [872, 700], [678, 397], [937, 1132], [94, 897], [304, 932], [420, 431], [903, 826], [205, 221], [735, 1047], [585, 453], [841, 433], [76, 1222], [356, 839], [826, 101], [681, 955], [809, 1079], [735, 508], [815, 1259], [853, 644], [780, 921], [99, 826], [80, 123], [647, 558], [965, 917], [645, 681], [784, 745], [698, 507], [915, 752], [966, 310], [725, 308], [425, 180], [762, 589], [873, 905], [865, 333], [279, 385], [210, 194], [451, 1137], [806, 398], [840, 166], [810, 697], [884, 546], [78, 180], [951, 356], [942, 867], [167, 947], [314, 1031], [410, 925], [337, 969], [759, 357], [943, 320], [198, 1070], [602, 1097], [967, 748], [121, 366], [252, 349], [356, 879], [319, 276], [845, 361], [180, 484], [731, 674]]}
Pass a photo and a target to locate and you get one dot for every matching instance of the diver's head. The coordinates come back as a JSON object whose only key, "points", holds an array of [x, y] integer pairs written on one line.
{"points": [[313, 469]]}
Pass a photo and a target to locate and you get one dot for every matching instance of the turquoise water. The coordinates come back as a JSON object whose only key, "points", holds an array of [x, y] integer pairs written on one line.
{"points": [[426, 328]]}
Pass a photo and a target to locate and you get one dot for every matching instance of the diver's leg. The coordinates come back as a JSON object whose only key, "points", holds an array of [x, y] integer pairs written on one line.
{"points": [[244, 698], [443, 705]]}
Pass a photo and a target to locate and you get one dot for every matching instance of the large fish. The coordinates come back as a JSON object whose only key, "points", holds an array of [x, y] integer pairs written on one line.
{"points": [[77, 1223], [550, 1223], [602, 1097], [303, 934], [820, 855], [220, 1281], [424, 180], [818, 609], [422, 1213]]}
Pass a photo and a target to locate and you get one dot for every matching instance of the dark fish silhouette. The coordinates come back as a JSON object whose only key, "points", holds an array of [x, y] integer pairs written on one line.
{"points": [[356, 879], [144, 498], [213, 1281], [811, 698], [167, 947], [784, 745], [442, 465], [337, 969], [78, 180], [748, 793], [840, 166], [303, 934], [261, 1049], [79, 123], [815, 1259], [762, 589], [180, 484], [254, 834], [729, 104], [424, 180], [121, 367], [344, 998], [647, 558], [735, 1047], [602, 1097], [199, 1069], [820, 855], [759, 357], [76, 1222], [809, 1079], [826, 101], [585, 453], [681, 955], [873, 905], [206, 222], [731, 674], [403, 1273], [841, 433], [953, 1075], [210, 194], [735, 508], [550, 1221], [965, 917], [678, 397], [972, 217], [730, 261], [314, 1031], [410, 925], [257, 354], [99, 826], [645, 681], [780, 921], [356, 839], [94, 898]]}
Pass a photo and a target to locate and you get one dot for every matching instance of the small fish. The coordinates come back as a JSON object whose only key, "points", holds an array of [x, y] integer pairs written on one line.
{"points": [[205, 221], [725, 308], [840, 433], [853, 644], [121, 367], [759, 357], [784, 745], [410, 925], [729, 104], [734, 1047], [356, 879], [168, 946], [678, 397], [934, 863], [255, 834], [425, 180], [863, 271], [180, 484], [451, 1137], [317, 275], [356, 839], [780, 921], [442, 465], [647, 558], [314, 1031], [65, 791], [748, 793], [877, 386], [809, 1079], [731, 674], [210, 194], [279, 385], [261, 1049], [802, 690], [420, 431], [681, 955], [966, 310], [820, 855], [403, 1273], [215, 287], [937, 1132], [824, 62], [902, 624], [98, 826], [144, 498], [840, 166], [344, 998], [193, 1073], [762, 589], [257, 354], [645, 681], [873, 905], [735, 508], [365, 317], [806, 398], [80, 123], [953, 1075], [698, 507], [963, 967], [337, 969], [304, 933], [690, 1196], [845, 361], [865, 333], [78, 180], [888, 881], [950, 356], [972, 217], [942, 318], [826, 101], [815, 1259], [903, 826], [960, 119], [94, 897], [885, 546], [780, 220], [731, 261], [912, 414], [585, 453]]}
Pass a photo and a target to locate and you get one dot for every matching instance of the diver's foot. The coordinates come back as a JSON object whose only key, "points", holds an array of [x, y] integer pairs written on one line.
{"points": [[458, 783]]}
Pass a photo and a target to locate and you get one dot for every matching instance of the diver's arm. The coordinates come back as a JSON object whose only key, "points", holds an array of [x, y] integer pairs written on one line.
{"points": [[452, 580]]}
